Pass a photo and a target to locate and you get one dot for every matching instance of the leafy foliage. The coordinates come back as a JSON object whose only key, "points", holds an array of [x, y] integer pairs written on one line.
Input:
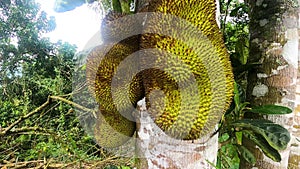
{"points": [[270, 109], [235, 28], [35, 128], [268, 136], [277, 136]]}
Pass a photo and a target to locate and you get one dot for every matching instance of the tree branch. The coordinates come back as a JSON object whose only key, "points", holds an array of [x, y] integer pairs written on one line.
{"points": [[71, 103], [7, 129], [50, 98], [30, 129]]}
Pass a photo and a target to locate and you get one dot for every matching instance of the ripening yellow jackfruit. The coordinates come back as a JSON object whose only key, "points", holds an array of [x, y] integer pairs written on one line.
{"points": [[187, 89]]}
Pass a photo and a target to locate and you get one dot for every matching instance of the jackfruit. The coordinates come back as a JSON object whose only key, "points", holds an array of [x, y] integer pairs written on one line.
{"points": [[114, 29], [185, 95], [196, 117], [115, 124], [115, 119]]}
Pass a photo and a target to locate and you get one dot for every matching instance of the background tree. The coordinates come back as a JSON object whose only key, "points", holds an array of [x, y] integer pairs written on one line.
{"points": [[274, 45], [38, 126]]}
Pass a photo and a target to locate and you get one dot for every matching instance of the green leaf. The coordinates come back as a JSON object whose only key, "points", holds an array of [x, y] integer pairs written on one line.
{"points": [[124, 167], [239, 94], [235, 11], [125, 5], [277, 136], [236, 97], [262, 143], [271, 109], [244, 105], [228, 156], [239, 137], [224, 137], [246, 154]]}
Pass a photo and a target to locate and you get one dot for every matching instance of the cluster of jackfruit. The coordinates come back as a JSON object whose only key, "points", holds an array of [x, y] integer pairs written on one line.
{"points": [[169, 85]]}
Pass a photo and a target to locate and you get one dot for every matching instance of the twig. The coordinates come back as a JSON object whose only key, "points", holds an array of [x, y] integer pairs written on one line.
{"points": [[28, 130], [49, 99], [7, 129], [76, 91], [20, 164], [45, 112], [71, 103]]}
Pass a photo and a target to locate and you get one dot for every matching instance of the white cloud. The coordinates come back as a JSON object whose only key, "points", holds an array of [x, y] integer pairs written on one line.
{"points": [[76, 27]]}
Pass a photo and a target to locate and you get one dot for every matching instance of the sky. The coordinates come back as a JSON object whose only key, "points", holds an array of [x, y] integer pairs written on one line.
{"points": [[77, 27], [80, 26]]}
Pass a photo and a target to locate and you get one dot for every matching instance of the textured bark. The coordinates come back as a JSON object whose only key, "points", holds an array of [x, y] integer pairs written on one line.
{"points": [[158, 151], [273, 44], [294, 159]]}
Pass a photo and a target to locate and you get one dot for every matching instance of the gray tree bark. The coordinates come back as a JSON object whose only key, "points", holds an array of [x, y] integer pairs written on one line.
{"points": [[159, 151], [294, 159], [273, 44]]}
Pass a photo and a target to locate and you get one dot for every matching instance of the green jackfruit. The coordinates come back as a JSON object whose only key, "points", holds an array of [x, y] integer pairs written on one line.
{"points": [[169, 85], [115, 124], [113, 31], [195, 118]]}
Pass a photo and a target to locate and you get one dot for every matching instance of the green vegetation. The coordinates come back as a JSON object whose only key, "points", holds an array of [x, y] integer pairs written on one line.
{"points": [[235, 127]]}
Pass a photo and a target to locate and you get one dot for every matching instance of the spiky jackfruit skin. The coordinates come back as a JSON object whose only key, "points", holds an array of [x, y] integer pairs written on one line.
{"points": [[198, 117], [164, 90], [112, 31], [115, 124]]}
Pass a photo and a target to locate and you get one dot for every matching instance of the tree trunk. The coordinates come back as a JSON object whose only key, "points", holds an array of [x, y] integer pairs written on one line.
{"points": [[273, 44], [294, 159], [157, 150]]}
